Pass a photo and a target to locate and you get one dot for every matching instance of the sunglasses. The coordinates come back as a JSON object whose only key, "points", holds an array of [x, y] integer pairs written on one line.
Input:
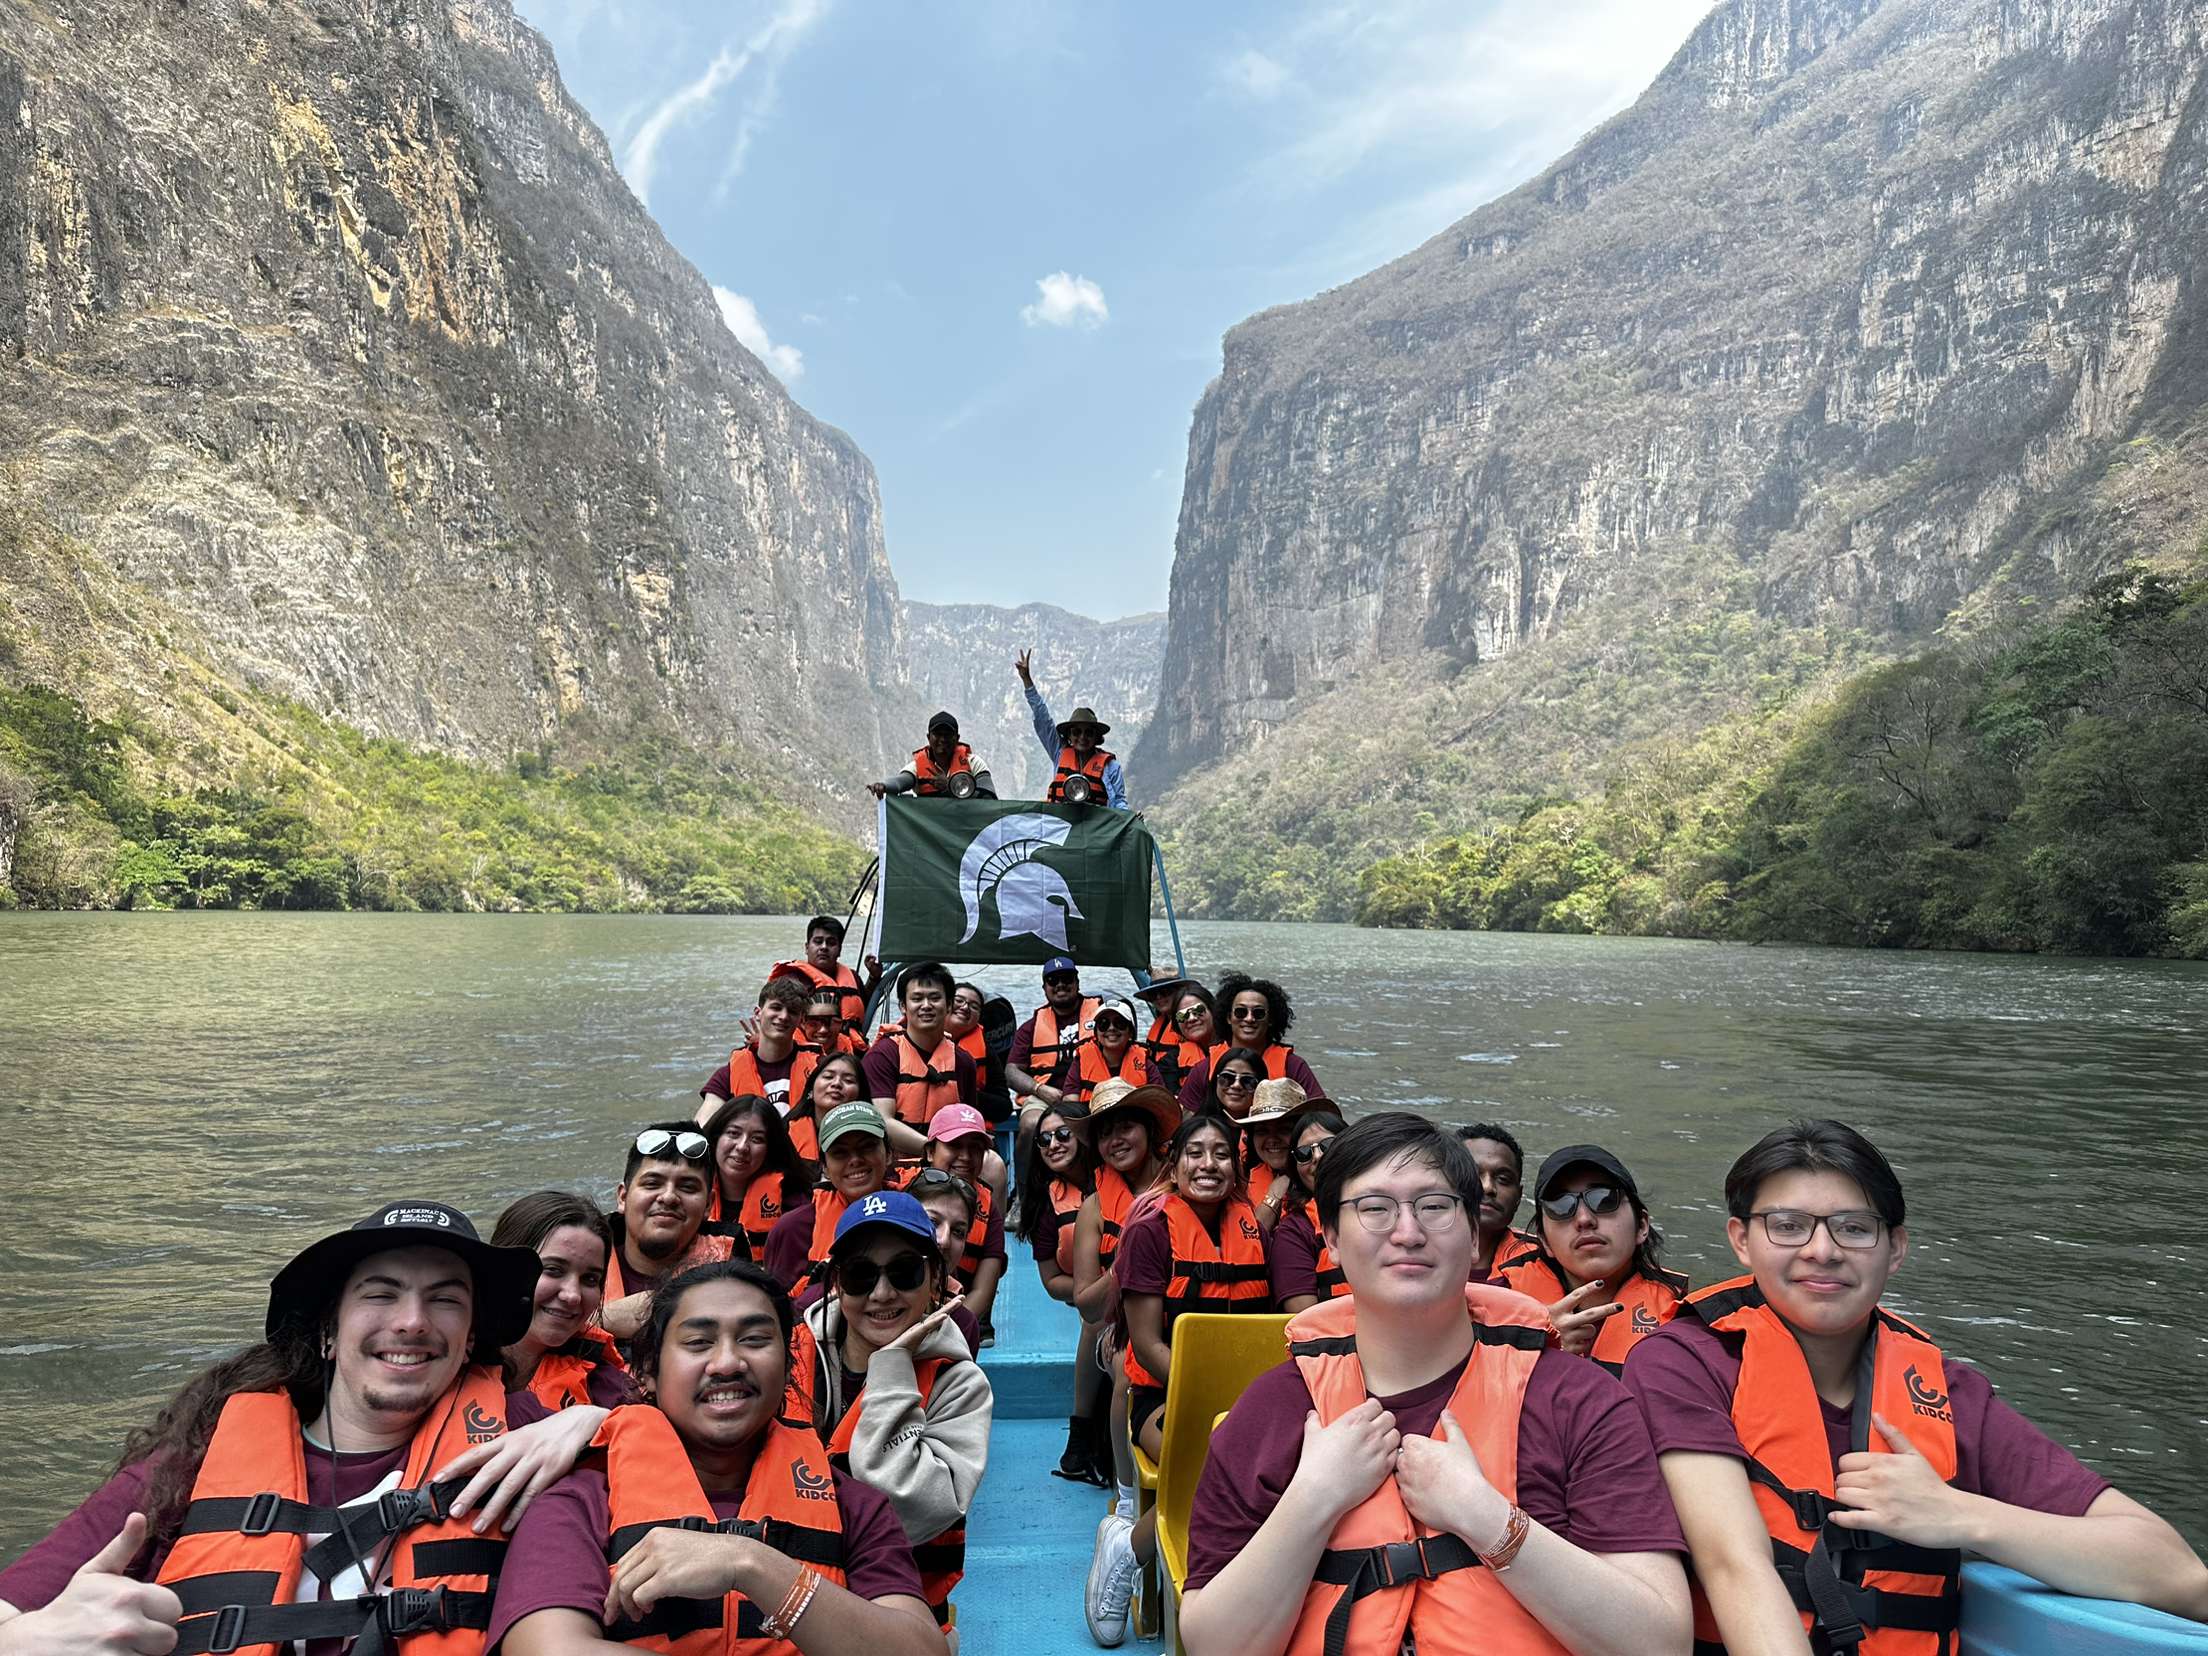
{"points": [[1601, 1200], [1306, 1154], [1055, 1135], [858, 1276], [940, 1178], [1237, 1081], [655, 1141], [1248, 1014], [1190, 1015]]}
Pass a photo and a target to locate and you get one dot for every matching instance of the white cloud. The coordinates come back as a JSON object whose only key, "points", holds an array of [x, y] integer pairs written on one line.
{"points": [[1067, 302], [1254, 74], [695, 99], [812, 319], [742, 317]]}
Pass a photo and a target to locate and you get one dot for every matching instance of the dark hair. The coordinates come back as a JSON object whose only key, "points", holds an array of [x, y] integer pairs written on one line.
{"points": [[1280, 1017], [637, 1158], [942, 1177], [1821, 1146], [1035, 1175], [1310, 1118], [1198, 992], [782, 1157], [1497, 1135], [1212, 1104], [825, 922], [1380, 1141], [804, 1102], [980, 994], [1190, 1127], [787, 989], [1648, 1253], [927, 971], [667, 1299], [528, 1220]]}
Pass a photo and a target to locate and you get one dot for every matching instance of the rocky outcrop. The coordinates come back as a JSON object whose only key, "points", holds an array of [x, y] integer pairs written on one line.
{"points": [[959, 656], [1859, 296], [331, 325]]}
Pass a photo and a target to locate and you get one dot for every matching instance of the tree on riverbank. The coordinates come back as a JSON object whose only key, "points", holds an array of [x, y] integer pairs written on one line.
{"points": [[2046, 792]]}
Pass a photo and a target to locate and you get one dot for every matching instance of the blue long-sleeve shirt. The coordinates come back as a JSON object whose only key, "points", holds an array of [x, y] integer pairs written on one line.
{"points": [[1046, 732]]}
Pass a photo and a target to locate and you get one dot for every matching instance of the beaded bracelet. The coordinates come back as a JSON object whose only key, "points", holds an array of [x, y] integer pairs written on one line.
{"points": [[1514, 1537], [794, 1604]]}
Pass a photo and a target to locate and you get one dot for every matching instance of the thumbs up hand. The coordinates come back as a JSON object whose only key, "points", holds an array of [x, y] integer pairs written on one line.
{"points": [[103, 1611], [1900, 1494]]}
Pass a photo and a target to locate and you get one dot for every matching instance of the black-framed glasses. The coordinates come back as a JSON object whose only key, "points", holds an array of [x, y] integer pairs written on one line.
{"points": [[656, 1141], [1306, 1154], [1435, 1212], [1792, 1228], [1054, 1135], [1601, 1201], [1237, 1081], [906, 1272]]}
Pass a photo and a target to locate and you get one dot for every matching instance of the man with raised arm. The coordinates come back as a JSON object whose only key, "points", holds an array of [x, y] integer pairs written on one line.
{"points": [[1074, 746]]}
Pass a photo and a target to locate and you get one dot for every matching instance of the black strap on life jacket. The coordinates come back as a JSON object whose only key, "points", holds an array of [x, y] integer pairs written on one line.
{"points": [[375, 1622], [349, 1533], [674, 1618], [1362, 1571]]}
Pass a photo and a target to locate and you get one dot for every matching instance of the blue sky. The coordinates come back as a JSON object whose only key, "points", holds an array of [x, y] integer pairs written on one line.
{"points": [[997, 241]]}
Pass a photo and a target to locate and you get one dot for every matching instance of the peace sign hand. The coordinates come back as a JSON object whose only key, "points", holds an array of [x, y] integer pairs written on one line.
{"points": [[1023, 664], [1576, 1323], [912, 1338]]}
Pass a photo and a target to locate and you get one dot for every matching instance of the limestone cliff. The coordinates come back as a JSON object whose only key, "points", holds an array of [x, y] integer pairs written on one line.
{"points": [[1858, 312], [959, 656], [331, 327]]}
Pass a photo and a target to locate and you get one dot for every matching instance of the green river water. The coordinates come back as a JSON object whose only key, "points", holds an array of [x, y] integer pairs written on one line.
{"points": [[191, 1098]]}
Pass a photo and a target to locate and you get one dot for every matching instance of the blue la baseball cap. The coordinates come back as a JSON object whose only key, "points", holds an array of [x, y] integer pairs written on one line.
{"points": [[1059, 963], [886, 1207]]}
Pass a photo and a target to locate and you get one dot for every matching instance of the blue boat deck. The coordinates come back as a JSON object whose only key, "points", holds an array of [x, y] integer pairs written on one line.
{"points": [[1029, 1537]]}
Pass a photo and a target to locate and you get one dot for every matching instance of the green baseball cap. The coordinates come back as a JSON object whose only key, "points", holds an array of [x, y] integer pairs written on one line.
{"points": [[858, 1116]]}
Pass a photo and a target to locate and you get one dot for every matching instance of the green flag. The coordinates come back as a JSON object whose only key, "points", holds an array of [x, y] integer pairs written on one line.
{"points": [[1006, 882]]}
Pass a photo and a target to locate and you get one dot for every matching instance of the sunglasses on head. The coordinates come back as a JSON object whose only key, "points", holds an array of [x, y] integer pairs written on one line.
{"points": [[657, 1141], [1601, 1200], [1054, 1135], [1238, 1080], [905, 1272], [940, 1178]]}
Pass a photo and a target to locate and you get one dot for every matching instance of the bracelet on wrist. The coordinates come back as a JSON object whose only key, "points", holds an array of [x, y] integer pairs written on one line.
{"points": [[1500, 1556], [778, 1625]]}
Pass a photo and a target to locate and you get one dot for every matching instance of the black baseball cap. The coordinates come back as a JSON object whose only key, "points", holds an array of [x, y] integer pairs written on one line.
{"points": [[1561, 1162], [505, 1278], [943, 721]]}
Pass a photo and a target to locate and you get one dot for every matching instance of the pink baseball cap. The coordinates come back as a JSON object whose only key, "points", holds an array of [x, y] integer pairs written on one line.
{"points": [[956, 1121]]}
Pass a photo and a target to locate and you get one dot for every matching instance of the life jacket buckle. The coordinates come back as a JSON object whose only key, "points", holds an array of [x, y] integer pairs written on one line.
{"points": [[1404, 1561], [260, 1514], [402, 1509], [416, 1610], [228, 1630]]}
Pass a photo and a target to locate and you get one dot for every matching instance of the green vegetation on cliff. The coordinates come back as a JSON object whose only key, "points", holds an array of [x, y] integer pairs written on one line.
{"points": [[2045, 791]]}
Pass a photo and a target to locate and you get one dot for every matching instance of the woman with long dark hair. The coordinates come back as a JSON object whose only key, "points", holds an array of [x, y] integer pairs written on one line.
{"points": [[836, 1079], [1255, 1015], [1056, 1176], [1303, 1267], [564, 1358], [757, 1173]]}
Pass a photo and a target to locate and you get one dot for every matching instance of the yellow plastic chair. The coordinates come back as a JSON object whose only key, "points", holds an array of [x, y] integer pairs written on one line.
{"points": [[1215, 1357]]}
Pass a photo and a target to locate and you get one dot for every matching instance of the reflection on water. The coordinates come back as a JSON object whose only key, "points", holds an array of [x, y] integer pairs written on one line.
{"points": [[191, 1098]]}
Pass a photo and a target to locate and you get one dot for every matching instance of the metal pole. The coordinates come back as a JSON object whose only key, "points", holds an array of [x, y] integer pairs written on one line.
{"points": [[1165, 889]]}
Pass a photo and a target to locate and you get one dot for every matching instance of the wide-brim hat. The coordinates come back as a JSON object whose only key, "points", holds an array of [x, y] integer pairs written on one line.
{"points": [[1082, 716], [1276, 1099], [505, 1278], [1561, 1162], [1165, 986], [1163, 1109]]}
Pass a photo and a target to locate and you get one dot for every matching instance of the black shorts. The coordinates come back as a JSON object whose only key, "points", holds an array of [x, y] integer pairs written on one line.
{"points": [[1142, 1403]]}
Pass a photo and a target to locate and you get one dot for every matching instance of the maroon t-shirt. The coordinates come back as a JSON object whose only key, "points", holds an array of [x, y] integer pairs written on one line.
{"points": [[880, 1064], [775, 1076], [1586, 1468], [1196, 1085], [1295, 1256], [789, 1245], [1144, 1265], [558, 1557], [1045, 1243], [1684, 1376]]}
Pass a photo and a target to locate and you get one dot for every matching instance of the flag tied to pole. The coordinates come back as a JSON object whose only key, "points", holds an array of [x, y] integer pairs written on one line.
{"points": [[1009, 882]]}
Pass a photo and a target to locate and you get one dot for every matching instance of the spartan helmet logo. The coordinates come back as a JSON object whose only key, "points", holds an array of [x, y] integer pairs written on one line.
{"points": [[1032, 898]]}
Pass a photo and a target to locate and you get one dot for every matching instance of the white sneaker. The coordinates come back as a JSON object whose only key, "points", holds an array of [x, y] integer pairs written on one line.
{"points": [[1124, 1506], [1111, 1580]]}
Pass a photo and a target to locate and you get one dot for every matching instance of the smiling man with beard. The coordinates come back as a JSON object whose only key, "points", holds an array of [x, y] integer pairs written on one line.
{"points": [[318, 1487], [665, 1193], [820, 1563]]}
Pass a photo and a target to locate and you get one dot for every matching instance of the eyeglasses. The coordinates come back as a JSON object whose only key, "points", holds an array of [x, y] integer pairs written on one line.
{"points": [[1792, 1228], [1434, 1213], [1191, 1015], [1237, 1080], [905, 1272], [1601, 1200], [1055, 1135], [654, 1141], [1306, 1154], [1248, 1014]]}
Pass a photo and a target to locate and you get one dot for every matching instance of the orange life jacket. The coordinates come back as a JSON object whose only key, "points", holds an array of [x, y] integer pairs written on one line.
{"points": [[1069, 765], [1650, 1302], [745, 1081], [562, 1379], [1909, 1598], [1168, 1053], [942, 1557], [1274, 1058], [1384, 1582], [1113, 1199], [975, 1045], [1065, 1201], [842, 978], [789, 1504], [828, 1207], [1226, 1275], [929, 779], [1515, 1245], [243, 1552], [977, 1235], [1332, 1284], [703, 1250], [1261, 1179], [1051, 1049], [763, 1205], [922, 1089], [1090, 1071]]}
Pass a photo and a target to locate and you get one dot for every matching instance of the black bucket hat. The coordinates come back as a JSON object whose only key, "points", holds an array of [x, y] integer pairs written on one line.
{"points": [[505, 1278]]}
